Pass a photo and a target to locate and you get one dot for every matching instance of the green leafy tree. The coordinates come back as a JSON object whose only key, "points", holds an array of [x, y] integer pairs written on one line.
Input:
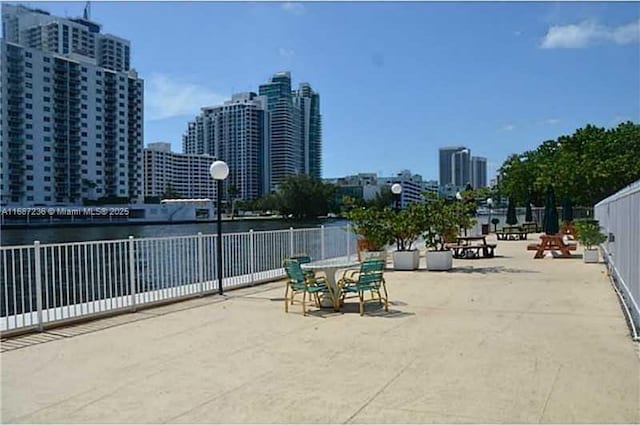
{"points": [[305, 197], [408, 224], [589, 165], [373, 224]]}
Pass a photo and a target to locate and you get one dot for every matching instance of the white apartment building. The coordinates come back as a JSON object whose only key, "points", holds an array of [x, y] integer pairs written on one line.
{"points": [[184, 174], [237, 132], [71, 112]]}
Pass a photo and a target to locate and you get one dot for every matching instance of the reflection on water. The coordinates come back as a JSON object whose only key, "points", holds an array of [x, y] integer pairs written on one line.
{"points": [[77, 234]]}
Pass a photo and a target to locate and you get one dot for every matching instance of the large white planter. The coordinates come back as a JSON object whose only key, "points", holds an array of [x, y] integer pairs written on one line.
{"points": [[439, 260], [406, 260], [591, 255]]}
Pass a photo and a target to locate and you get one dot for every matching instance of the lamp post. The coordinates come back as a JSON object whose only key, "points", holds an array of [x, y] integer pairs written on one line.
{"points": [[219, 171], [396, 189], [490, 205]]}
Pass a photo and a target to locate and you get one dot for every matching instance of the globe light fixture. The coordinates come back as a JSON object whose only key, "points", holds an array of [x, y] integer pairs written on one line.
{"points": [[396, 190], [458, 196], [219, 171]]}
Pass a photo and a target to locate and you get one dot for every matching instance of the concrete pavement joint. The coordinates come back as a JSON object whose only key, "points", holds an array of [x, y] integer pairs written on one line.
{"points": [[212, 399], [546, 402], [381, 390]]}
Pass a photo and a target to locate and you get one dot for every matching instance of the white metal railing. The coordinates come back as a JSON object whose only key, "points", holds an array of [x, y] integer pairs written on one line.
{"points": [[45, 283], [619, 216]]}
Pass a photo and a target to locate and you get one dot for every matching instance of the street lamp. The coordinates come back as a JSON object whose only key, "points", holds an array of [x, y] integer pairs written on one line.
{"points": [[490, 205], [219, 171], [396, 189]]}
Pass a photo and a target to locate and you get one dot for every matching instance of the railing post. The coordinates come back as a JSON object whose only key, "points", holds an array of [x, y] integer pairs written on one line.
{"points": [[290, 241], [252, 250], [322, 254], [38, 271], [349, 239], [201, 263], [132, 273]]}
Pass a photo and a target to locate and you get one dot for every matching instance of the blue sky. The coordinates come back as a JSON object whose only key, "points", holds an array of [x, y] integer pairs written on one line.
{"points": [[397, 80]]}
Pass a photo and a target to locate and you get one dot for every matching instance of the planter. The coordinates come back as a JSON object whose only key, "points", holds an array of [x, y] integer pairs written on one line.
{"points": [[439, 260], [374, 255], [591, 255], [406, 260]]}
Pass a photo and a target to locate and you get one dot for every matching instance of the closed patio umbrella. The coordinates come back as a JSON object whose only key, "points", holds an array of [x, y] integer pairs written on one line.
{"points": [[528, 215], [511, 213], [550, 221], [567, 209]]}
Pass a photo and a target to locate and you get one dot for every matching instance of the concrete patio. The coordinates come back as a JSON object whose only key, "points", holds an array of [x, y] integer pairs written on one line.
{"points": [[502, 340]]}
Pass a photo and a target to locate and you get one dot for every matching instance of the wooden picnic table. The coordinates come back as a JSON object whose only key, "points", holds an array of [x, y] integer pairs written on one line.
{"points": [[511, 233], [464, 248], [530, 226], [552, 243]]}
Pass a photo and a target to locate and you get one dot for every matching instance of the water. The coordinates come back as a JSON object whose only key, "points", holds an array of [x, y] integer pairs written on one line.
{"points": [[93, 233]]}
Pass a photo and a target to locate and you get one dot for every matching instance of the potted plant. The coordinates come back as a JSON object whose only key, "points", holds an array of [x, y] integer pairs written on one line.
{"points": [[588, 234], [443, 222], [406, 227], [372, 225], [442, 229]]}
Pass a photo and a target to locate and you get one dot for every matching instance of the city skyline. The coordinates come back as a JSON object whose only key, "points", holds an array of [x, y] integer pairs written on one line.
{"points": [[501, 77]]}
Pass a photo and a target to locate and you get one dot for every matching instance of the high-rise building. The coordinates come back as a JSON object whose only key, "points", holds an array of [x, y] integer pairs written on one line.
{"points": [[286, 128], [455, 167], [72, 112], [296, 128], [446, 164], [185, 175], [478, 171], [461, 167], [237, 132], [308, 103]]}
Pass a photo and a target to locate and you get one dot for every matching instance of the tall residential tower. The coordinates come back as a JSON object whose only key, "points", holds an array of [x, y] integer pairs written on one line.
{"points": [[71, 112], [237, 132]]}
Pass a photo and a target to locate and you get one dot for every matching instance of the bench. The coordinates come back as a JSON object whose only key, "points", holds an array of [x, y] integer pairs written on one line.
{"points": [[472, 251], [535, 247], [511, 236]]}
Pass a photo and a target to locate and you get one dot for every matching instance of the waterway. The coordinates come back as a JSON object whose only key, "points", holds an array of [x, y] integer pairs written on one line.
{"points": [[93, 233]]}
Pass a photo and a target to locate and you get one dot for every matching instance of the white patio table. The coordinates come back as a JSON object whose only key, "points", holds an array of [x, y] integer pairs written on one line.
{"points": [[329, 268]]}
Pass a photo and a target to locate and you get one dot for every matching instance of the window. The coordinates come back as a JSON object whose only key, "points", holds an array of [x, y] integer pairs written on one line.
{"points": [[47, 60], [46, 99], [28, 74], [47, 178], [28, 106], [27, 54]]}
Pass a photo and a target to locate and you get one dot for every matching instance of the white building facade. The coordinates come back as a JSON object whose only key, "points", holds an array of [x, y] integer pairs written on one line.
{"points": [[238, 133], [72, 112], [183, 174]]}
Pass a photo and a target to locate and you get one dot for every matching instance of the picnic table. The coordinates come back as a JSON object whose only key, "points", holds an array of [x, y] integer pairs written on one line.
{"points": [[466, 248], [530, 227], [552, 243], [511, 233]]}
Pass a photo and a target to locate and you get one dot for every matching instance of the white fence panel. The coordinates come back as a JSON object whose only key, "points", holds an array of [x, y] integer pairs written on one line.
{"points": [[619, 216]]}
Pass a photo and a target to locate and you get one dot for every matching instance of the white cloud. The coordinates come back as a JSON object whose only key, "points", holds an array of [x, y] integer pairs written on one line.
{"points": [[551, 121], [517, 33], [508, 127], [587, 33], [287, 53], [168, 97], [295, 8]]}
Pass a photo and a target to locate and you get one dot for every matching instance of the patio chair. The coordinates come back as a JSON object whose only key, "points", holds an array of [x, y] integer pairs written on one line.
{"points": [[369, 278], [297, 282], [303, 259]]}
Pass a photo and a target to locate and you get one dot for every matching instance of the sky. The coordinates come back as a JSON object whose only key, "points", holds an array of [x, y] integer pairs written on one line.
{"points": [[396, 80]]}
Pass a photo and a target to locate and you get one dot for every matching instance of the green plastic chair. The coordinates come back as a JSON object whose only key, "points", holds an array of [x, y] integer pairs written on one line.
{"points": [[298, 282], [370, 278]]}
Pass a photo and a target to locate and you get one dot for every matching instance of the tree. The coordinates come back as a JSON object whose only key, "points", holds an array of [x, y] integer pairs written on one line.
{"points": [[512, 219], [305, 197], [589, 165]]}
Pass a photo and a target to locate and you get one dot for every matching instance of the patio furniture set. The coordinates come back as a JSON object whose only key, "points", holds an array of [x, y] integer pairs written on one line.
{"points": [[325, 290]]}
